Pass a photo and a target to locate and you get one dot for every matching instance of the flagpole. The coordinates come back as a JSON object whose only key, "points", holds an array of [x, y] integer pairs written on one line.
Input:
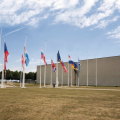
{"points": [[68, 72], [57, 73], [45, 66], [62, 77], [78, 70], [96, 70], [56, 68], [24, 65], [51, 73], [40, 73], [71, 76], [20, 76], [0, 38], [87, 68], [3, 67], [76, 78]]}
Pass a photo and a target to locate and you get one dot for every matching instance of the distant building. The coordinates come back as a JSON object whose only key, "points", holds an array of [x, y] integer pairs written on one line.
{"points": [[108, 72]]}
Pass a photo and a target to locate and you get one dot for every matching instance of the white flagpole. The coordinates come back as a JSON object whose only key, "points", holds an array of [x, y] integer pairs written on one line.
{"points": [[3, 66], [71, 76], [68, 72], [40, 72], [51, 74], [96, 71], [62, 77], [45, 66], [24, 65], [20, 76], [57, 72], [78, 70], [87, 68], [0, 38], [56, 67], [57, 76], [76, 79]]}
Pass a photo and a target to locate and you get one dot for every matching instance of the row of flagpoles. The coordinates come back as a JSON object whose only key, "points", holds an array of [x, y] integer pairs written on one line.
{"points": [[25, 62], [70, 61]]}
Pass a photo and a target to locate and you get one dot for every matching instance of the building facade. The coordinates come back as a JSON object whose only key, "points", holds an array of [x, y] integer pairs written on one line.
{"points": [[108, 73]]}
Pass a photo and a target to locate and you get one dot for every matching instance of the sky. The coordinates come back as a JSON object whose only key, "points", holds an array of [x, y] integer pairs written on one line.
{"points": [[71, 26]]}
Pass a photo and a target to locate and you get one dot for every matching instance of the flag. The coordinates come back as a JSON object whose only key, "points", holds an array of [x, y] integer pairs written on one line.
{"points": [[5, 52], [53, 66], [75, 66], [58, 57], [43, 57], [6, 55], [65, 69], [23, 62], [26, 57], [79, 65], [70, 60]]}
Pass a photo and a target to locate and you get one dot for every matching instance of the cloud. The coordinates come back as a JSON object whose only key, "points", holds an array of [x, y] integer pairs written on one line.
{"points": [[0, 64], [74, 12], [104, 23], [19, 60], [114, 33]]}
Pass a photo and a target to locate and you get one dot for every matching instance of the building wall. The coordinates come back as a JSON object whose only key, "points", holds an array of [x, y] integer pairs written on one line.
{"points": [[108, 72], [48, 74]]}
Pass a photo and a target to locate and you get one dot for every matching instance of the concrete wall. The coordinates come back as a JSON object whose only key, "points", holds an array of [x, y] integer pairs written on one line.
{"points": [[108, 72], [48, 74]]}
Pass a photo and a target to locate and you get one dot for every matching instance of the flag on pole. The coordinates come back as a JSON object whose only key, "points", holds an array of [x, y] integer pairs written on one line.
{"points": [[74, 66], [53, 66], [6, 55], [70, 60], [58, 57], [26, 57], [61, 62], [6, 52], [43, 57]]}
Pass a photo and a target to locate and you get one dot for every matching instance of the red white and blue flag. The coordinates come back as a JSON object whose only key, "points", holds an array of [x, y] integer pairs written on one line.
{"points": [[43, 57], [6, 55], [53, 66]]}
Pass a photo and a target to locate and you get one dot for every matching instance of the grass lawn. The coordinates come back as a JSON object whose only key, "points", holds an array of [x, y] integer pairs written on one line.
{"points": [[63, 104]]}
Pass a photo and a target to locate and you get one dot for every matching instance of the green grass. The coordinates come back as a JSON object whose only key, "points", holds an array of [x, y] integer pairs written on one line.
{"points": [[63, 104]]}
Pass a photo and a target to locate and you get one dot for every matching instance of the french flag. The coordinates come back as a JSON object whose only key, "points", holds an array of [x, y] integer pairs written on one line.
{"points": [[43, 57]]}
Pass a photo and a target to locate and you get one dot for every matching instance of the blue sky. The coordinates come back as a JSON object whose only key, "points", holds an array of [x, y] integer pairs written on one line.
{"points": [[67, 25]]}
